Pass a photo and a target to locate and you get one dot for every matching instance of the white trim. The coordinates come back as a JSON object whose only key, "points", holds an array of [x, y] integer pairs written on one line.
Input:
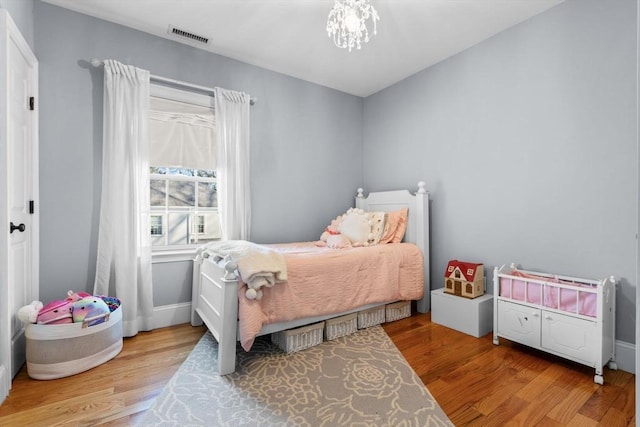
{"points": [[174, 255], [170, 315], [626, 356]]}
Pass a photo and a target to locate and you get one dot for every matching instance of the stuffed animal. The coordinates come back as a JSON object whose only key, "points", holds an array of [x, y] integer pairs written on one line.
{"points": [[88, 308], [112, 302], [29, 313], [55, 312], [76, 296], [332, 229]]}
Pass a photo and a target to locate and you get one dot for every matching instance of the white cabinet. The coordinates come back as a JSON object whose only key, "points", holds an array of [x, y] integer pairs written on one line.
{"points": [[471, 316], [553, 332], [567, 316]]}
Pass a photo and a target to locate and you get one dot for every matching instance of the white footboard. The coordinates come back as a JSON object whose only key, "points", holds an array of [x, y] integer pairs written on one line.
{"points": [[215, 302]]}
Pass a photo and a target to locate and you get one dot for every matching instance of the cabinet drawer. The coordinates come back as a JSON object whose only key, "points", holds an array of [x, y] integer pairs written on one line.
{"points": [[519, 323], [567, 335]]}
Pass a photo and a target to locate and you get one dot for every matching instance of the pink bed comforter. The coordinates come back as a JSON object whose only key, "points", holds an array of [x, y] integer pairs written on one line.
{"points": [[323, 281]]}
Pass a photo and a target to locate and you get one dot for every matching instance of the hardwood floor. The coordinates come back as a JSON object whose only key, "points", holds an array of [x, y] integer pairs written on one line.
{"points": [[112, 394], [474, 381], [480, 384]]}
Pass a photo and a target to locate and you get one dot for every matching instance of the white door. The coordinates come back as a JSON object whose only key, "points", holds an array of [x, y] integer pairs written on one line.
{"points": [[18, 194]]}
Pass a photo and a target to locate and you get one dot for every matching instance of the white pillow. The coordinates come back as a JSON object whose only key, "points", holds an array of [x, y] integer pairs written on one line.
{"points": [[356, 225]]}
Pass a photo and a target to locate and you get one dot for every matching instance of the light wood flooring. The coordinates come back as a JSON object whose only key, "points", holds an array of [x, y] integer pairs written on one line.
{"points": [[474, 381]]}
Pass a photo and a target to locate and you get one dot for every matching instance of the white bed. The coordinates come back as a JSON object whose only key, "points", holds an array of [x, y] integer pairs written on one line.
{"points": [[215, 284]]}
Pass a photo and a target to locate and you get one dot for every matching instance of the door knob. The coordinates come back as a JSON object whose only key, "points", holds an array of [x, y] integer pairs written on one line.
{"points": [[13, 228]]}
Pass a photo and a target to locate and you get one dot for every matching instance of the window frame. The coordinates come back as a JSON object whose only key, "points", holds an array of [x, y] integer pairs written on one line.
{"points": [[177, 253]]}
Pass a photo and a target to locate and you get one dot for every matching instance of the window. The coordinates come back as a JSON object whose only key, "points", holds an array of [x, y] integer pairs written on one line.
{"points": [[187, 198], [182, 176]]}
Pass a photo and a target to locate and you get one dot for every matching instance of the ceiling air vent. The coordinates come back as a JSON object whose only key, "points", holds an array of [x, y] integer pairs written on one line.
{"points": [[187, 35]]}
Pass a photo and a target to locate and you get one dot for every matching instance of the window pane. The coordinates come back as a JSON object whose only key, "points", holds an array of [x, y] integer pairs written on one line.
{"points": [[207, 195], [206, 173], [210, 227], [182, 193], [156, 225], [178, 228], [157, 192]]}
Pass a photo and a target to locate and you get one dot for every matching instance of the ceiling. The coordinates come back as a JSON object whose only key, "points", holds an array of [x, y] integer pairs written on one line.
{"points": [[289, 36]]}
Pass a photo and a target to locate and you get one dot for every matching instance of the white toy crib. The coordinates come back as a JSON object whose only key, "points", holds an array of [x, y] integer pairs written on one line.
{"points": [[570, 317]]}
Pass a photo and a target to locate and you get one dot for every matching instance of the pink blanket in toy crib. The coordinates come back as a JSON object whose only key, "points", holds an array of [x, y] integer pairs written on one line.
{"points": [[324, 281], [570, 300]]}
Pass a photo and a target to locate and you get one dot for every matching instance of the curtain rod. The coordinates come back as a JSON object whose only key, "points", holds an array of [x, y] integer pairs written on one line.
{"points": [[208, 90]]}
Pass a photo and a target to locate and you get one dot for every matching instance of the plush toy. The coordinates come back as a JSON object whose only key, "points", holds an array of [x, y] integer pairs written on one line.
{"points": [[338, 241], [112, 302], [88, 308], [55, 313], [29, 313], [332, 229], [76, 296]]}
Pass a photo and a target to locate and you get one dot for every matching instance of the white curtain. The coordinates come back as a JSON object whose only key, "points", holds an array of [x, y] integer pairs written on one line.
{"points": [[232, 139], [123, 267]]}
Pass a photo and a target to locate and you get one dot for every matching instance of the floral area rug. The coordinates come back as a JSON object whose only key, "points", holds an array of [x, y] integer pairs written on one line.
{"points": [[358, 380]]}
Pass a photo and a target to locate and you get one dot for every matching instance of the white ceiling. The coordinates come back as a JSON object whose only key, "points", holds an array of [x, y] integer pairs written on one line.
{"points": [[289, 36]]}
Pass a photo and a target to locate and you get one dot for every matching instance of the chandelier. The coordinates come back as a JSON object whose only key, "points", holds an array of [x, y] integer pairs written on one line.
{"points": [[347, 23]]}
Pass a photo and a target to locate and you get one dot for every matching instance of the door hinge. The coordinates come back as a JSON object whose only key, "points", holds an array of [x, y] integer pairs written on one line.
{"points": [[32, 103], [31, 207]]}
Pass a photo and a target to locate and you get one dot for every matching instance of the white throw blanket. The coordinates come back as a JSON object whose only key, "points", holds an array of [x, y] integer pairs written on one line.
{"points": [[258, 265]]}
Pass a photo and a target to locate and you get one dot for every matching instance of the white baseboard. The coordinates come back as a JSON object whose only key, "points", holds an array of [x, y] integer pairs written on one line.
{"points": [[170, 315], [5, 383], [626, 356]]}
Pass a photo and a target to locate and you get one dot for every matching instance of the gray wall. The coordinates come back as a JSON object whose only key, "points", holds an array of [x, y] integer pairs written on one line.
{"points": [[21, 12], [306, 144], [527, 143]]}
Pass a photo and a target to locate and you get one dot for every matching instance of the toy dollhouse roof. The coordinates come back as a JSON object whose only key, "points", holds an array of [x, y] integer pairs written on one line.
{"points": [[467, 269]]}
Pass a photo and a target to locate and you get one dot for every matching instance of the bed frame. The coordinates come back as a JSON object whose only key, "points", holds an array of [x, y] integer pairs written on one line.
{"points": [[215, 284]]}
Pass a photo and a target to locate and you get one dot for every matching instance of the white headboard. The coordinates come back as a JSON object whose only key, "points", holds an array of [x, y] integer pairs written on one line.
{"points": [[417, 223]]}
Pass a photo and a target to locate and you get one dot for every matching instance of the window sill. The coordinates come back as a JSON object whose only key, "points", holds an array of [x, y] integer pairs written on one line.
{"points": [[173, 255]]}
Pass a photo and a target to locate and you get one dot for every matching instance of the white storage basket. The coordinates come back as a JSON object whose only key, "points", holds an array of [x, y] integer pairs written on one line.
{"points": [[56, 351], [397, 310], [371, 317], [340, 326], [293, 340]]}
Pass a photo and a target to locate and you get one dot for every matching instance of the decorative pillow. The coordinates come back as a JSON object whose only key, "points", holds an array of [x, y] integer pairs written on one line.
{"points": [[378, 221], [395, 226], [356, 227]]}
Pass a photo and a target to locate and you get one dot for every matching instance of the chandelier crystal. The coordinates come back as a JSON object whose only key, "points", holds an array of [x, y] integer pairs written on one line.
{"points": [[347, 23]]}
